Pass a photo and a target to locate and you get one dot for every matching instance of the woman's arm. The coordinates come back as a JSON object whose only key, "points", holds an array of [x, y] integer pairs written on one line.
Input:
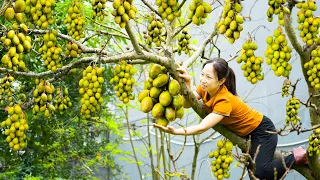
{"points": [[208, 122]]}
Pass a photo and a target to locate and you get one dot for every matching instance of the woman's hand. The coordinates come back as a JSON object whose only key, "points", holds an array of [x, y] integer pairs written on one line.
{"points": [[184, 75], [168, 129]]}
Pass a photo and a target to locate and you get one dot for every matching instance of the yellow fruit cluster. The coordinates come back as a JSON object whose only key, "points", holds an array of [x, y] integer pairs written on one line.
{"points": [[308, 23], [286, 88], [6, 90], [17, 43], [292, 111], [16, 12], [169, 9], [72, 50], [220, 166], [231, 23], [313, 67], [278, 53], [123, 81], [161, 96], [75, 20], [155, 29], [277, 7], [14, 128], [184, 42], [51, 51], [314, 143], [40, 12], [123, 11], [91, 90], [62, 100], [252, 64], [199, 10], [98, 7], [43, 98]]}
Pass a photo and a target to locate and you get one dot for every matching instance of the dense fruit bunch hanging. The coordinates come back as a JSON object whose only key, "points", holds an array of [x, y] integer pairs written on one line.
{"points": [[220, 166], [308, 23], [123, 11], [14, 127], [62, 100], [314, 143], [17, 43], [72, 50], [278, 53], [169, 9], [91, 86], [199, 10], [43, 98], [155, 31], [6, 89], [40, 12], [98, 9], [285, 88], [292, 109], [75, 20], [313, 67], [161, 96], [184, 42], [51, 51], [252, 64], [231, 23], [277, 7]]}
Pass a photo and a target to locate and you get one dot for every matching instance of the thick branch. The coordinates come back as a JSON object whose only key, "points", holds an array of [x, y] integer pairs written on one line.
{"points": [[151, 8], [133, 39]]}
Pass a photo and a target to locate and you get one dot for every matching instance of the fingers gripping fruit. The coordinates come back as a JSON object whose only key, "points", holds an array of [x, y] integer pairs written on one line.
{"points": [[123, 81], [313, 67], [98, 7], [199, 10], [308, 23], [278, 53], [169, 9], [40, 12], [155, 31], [123, 11], [285, 88], [184, 42], [51, 51], [17, 43], [75, 20], [277, 7], [62, 100], [91, 90], [43, 98], [252, 64], [314, 143], [292, 109], [220, 166], [231, 24], [161, 96], [14, 128]]}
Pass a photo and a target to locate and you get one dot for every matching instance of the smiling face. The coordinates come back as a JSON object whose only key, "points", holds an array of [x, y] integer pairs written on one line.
{"points": [[209, 79]]}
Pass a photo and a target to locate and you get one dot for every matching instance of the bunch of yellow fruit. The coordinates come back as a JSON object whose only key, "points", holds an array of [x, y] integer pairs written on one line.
{"points": [[169, 9], [313, 67], [17, 43], [184, 42], [98, 7], [161, 96], [199, 10], [220, 166], [278, 53], [16, 12], [51, 51], [6, 89], [285, 88], [91, 90], [292, 111], [123, 81], [308, 23], [123, 12], [155, 29], [40, 12], [252, 64], [14, 128], [75, 20], [231, 23], [277, 7], [314, 143], [72, 50], [43, 98], [62, 101]]}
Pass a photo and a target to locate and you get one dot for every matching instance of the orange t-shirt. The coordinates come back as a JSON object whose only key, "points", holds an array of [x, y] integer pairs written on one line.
{"points": [[239, 117]]}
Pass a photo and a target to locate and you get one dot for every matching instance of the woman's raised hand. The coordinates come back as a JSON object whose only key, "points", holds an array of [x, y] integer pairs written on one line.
{"points": [[184, 74], [168, 129]]}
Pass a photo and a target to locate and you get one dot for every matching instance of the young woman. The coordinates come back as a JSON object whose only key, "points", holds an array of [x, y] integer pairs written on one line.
{"points": [[217, 90]]}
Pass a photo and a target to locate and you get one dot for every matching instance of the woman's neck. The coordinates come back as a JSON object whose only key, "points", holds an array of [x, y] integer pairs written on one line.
{"points": [[214, 92]]}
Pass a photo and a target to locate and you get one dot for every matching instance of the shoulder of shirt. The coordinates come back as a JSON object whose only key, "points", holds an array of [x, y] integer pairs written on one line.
{"points": [[224, 94]]}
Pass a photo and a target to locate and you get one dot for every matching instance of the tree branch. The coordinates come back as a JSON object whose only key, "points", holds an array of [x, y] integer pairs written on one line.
{"points": [[151, 8], [133, 39], [181, 28]]}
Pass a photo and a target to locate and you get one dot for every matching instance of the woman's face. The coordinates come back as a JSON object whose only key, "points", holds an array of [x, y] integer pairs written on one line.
{"points": [[209, 79]]}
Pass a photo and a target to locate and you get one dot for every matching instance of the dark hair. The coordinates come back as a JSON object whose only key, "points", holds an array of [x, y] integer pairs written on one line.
{"points": [[224, 71]]}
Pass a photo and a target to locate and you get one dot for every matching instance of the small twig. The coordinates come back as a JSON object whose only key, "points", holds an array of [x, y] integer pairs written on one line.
{"points": [[105, 26], [156, 169], [181, 28], [151, 8], [294, 86]]}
